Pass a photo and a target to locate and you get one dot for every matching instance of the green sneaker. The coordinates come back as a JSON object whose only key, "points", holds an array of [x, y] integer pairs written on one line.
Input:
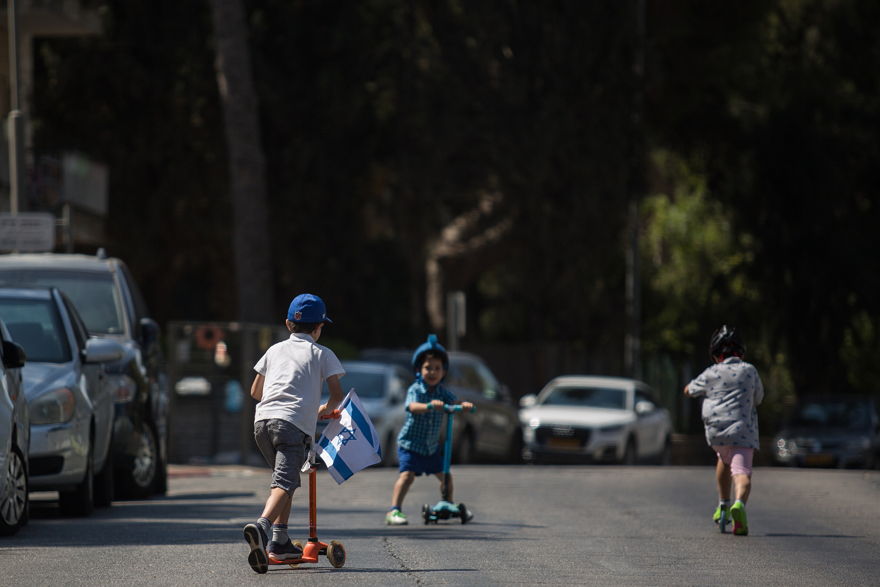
{"points": [[716, 517], [740, 522], [396, 518]]}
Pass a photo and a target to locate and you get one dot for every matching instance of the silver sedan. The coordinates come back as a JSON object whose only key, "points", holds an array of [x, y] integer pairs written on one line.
{"points": [[70, 406]]}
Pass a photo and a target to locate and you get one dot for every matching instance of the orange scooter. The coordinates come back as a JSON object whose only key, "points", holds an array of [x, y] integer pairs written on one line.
{"points": [[334, 551]]}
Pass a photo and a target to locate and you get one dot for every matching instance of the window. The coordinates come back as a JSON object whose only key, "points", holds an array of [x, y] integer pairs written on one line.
{"points": [[36, 326], [94, 295]]}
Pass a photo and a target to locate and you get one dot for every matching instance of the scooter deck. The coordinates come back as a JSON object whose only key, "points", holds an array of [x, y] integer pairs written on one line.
{"points": [[334, 551]]}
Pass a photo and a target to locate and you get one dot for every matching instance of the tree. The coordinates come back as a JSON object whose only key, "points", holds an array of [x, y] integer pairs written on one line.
{"points": [[251, 250]]}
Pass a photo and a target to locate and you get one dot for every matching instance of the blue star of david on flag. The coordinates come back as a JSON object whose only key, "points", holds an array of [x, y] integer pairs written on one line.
{"points": [[349, 443], [346, 436]]}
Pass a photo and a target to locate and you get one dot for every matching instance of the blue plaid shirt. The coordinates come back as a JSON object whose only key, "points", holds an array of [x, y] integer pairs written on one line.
{"points": [[421, 432]]}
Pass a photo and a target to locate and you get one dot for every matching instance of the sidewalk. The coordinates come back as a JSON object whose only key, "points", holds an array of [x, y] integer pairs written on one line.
{"points": [[184, 471]]}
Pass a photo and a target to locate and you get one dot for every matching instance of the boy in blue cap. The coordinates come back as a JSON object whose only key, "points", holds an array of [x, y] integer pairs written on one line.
{"points": [[288, 388], [419, 440]]}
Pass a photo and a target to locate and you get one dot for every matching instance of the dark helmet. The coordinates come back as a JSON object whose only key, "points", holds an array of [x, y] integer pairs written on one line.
{"points": [[725, 342], [434, 346]]}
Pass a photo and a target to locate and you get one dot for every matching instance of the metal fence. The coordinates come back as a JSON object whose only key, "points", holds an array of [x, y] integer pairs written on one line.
{"points": [[210, 368]]}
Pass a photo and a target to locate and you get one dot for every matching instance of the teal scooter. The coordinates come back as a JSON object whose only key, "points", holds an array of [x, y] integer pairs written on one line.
{"points": [[445, 509]]}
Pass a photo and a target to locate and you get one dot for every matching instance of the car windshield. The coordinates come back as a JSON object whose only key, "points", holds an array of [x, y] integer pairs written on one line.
{"points": [[366, 384], [36, 326], [94, 295], [832, 414], [591, 397]]}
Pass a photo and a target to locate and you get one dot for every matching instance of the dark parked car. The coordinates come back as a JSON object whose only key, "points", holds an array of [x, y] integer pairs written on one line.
{"points": [[15, 434], [492, 432], [111, 305], [830, 431]]}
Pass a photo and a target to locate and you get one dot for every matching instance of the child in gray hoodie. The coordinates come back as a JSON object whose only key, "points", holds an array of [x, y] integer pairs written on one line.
{"points": [[732, 390]]}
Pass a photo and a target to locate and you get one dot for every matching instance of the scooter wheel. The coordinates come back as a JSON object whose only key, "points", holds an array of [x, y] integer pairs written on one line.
{"points": [[426, 513], [464, 513], [336, 554], [299, 545]]}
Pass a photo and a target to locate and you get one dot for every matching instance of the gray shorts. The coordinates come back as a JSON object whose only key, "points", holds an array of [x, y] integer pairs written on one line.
{"points": [[284, 446]]}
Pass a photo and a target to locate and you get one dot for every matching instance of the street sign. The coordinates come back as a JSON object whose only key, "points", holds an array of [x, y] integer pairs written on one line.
{"points": [[28, 232]]}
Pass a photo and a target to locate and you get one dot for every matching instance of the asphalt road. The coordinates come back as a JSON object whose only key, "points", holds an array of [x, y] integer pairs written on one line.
{"points": [[594, 525]]}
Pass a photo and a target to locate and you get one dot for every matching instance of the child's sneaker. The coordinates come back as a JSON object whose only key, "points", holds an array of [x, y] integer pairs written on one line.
{"points": [[740, 522], [284, 551], [396, 518], [716, 517], [256, 539]]}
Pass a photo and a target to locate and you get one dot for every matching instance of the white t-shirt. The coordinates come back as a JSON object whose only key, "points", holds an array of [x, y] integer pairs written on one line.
{"points": [[294, 371]]}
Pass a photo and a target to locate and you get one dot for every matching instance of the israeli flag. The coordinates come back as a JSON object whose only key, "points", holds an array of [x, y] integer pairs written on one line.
{"points": [[349, 443]]}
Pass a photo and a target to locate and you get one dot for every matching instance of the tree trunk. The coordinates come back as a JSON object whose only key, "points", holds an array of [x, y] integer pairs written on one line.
{"points": [[465, 235], [250, 236]]}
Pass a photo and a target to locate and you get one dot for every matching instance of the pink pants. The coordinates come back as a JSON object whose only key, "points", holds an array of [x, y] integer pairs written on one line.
{"points": [[738, 458]]}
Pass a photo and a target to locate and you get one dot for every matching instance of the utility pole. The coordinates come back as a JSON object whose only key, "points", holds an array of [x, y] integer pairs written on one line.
{"points": [[16, 121]]}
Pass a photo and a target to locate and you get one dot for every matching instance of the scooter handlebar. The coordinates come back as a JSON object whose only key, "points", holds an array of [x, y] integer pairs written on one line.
{"points": [[453, 408]]}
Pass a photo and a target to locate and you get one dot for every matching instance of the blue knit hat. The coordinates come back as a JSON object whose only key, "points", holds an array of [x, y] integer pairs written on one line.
{"points": [[431, 344]]}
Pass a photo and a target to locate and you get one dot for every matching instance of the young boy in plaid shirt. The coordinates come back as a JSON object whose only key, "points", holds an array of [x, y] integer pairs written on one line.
{"points": [[419, 439]]}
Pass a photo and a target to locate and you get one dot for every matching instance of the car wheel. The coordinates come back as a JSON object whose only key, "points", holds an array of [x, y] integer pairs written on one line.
{"points": [[666, 453], [14, 505], [388, 451], [517, 446], [139, 478], [464, 452], [81, 500], [629, 453]]}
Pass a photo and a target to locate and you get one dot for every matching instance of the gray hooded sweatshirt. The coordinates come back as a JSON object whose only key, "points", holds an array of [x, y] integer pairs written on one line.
{"points": [[732, 390]]}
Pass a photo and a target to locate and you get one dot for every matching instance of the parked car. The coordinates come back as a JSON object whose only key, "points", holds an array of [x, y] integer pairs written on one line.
{"points": [[492, 432], [830, 431], [594, 418], [112, 307], [15, 434], [381, 388], [69, 401]]}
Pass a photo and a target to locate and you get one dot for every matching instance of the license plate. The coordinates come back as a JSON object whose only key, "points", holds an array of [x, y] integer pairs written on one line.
{"points": [[819, 459], [564, 443]]}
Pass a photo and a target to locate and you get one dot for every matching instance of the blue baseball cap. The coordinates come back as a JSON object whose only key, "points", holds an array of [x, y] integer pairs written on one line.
{"points": [[307, 308]]}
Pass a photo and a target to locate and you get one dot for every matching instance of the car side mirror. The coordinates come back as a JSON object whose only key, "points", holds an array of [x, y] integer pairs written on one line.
{"points": [[103, 350], [644, 408], [14, 356], [527, 401], [149, 331]]}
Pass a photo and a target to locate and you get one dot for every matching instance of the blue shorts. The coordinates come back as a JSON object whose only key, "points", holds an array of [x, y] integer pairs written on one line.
{"points": [[418, 463]]}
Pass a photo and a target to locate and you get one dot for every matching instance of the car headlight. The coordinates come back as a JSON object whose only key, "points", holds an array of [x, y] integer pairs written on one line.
{"points": [[611, 429], [54, 407]]}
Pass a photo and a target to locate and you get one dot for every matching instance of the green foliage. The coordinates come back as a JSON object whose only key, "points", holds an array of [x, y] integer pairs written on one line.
{"points": [[780, 110], [693, 262], [383, 120], [861, 347]]}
